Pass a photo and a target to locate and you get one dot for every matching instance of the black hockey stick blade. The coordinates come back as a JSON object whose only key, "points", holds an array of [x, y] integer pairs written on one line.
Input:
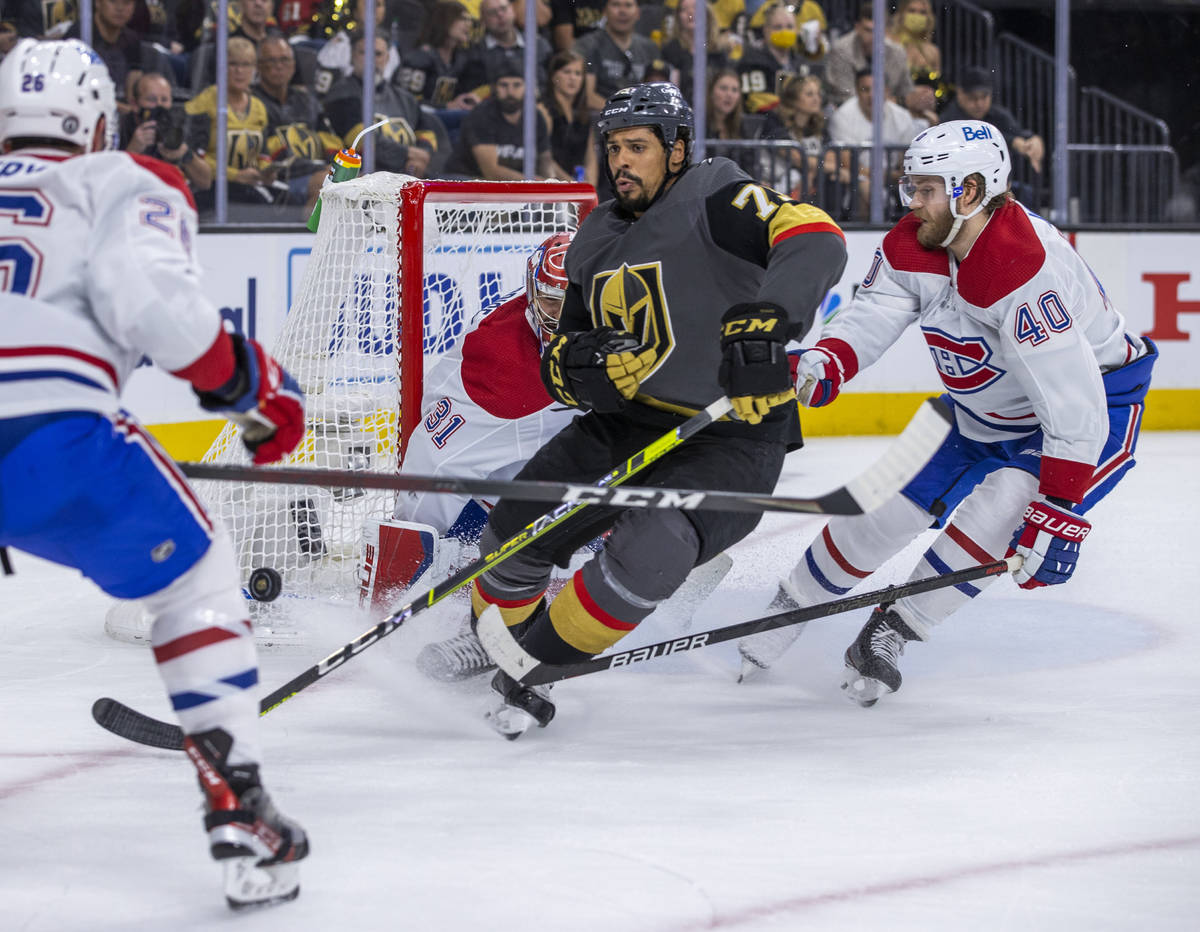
{"points": [[908, 453], [520, 665], [118, 718], [128, 723]]}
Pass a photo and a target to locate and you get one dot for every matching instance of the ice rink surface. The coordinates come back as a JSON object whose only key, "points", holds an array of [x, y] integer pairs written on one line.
{"points": [[1040, 768]]}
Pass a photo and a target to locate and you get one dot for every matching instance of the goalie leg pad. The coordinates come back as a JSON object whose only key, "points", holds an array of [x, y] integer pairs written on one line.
{"points": [[395, 555]]}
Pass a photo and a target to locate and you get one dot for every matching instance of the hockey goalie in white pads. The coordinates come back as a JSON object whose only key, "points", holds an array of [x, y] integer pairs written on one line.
{"points": [[99, 271], [1047, 384]]}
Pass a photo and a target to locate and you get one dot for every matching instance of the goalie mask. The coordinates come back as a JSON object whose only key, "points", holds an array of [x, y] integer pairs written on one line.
{"points": [[546, 284], [59, 91], [953, 151]]}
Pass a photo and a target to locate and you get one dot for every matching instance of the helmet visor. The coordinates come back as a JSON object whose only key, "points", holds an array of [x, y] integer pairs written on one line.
{"points": [[924, 186]]}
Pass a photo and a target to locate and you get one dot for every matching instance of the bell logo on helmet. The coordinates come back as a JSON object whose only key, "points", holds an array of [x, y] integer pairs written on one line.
{"points": [[976, 132]]}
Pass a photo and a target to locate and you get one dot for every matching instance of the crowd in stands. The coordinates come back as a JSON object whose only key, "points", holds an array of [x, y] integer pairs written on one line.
{"points": [[788, 98]]}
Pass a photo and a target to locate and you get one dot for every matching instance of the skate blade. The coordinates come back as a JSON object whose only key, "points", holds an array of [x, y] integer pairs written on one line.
{"points": [[248, 886], [751, 669], [509, 722], [863, 690]]}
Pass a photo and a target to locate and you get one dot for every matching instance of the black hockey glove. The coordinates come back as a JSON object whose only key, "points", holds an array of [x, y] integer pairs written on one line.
{"points": [[575, 368], [754, 365]]}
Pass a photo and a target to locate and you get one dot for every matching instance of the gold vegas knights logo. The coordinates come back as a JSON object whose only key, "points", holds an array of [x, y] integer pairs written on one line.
{"points": [[631, 298]]}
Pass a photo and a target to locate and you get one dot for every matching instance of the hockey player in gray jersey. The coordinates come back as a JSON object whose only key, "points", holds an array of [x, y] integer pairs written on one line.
{"points": [[686, 287]]}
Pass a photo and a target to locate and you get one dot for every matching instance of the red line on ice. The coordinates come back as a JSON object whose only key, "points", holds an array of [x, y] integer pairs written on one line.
{"points": [[904, 885]]}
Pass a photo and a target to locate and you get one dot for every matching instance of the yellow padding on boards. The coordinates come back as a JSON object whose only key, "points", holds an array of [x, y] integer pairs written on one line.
{"points": [[579, 627], [512, 616]]}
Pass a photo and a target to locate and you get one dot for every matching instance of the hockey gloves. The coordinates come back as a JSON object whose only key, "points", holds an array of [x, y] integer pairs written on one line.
{"points": [[1048, 541], [262, 399], [754, 364], [820, 374], [596, 369]]}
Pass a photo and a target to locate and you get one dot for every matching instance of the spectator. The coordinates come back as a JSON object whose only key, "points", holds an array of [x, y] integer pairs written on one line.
{"points": [[851, 54], [850, 126], [299, 142], [912, 27], [500, 48], [116, 43], [256, 21], [616, 55], [334, 60], [973, 101], [491, 143], [727, 121], [157, 129], [250, 175], [572, 139], [571, 20], [431, 72], [801, 116], [411, 143], [678, 44], [811, 26], [764, 69]]}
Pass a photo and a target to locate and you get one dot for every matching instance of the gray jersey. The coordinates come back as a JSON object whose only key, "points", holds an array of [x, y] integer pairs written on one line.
{"points": [[715, 239]]}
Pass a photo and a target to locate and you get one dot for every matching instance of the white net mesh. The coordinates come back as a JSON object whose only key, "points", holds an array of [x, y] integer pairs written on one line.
{"points": [[399, 267]]}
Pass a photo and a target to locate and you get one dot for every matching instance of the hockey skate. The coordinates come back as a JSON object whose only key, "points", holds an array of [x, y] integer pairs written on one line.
{"points": [[258, 846], [455, 659], [871, 661], [520, 707], [760, 650]]}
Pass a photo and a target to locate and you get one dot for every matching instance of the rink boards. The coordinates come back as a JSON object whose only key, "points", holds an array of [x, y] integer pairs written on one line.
{"points": [[1152, 278]]}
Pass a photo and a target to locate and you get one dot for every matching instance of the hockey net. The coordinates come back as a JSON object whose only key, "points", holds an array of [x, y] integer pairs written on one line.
{"points": [[398, 270]]}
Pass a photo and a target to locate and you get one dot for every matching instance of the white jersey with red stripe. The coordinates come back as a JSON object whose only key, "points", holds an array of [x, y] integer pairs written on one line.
{"points": [[1020, 332], [97, 269], [484, 413]]}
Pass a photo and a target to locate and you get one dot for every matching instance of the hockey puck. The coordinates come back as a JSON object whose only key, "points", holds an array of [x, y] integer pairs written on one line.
{"points": [[265, 584]]}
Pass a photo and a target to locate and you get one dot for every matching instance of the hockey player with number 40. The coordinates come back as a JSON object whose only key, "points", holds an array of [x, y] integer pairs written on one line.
{"points": [[98, 250], [1047, 385]]}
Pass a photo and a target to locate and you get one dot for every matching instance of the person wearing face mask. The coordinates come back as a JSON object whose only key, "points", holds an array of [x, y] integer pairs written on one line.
{"points": [[912, 27], [491, 143], [782, 55]]}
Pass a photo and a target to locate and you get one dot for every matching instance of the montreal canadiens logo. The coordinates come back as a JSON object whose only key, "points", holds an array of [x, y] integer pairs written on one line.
{"points": [[964, 363]]}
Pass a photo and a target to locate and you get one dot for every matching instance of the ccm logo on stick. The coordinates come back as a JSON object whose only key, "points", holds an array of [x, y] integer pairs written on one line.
{"points": [[632, 498]]}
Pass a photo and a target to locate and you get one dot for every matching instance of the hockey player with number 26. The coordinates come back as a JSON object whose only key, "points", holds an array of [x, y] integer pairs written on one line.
{"points": [[1046, 383], [98, 250], [686, 287]]}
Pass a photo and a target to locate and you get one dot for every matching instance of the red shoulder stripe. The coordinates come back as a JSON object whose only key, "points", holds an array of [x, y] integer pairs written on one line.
{"points": [[167, 173], [1007, 254], [905, 254], [501, 364]]}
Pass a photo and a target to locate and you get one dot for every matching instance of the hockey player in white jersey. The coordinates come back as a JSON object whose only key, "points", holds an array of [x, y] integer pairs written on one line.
{"points": [[484, 413], [99, 267], [1047, 386]]}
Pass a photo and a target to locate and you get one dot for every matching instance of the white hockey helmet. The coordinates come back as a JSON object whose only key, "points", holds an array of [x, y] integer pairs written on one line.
{"points": [[953, 151], [546, 277], [57, 90]]}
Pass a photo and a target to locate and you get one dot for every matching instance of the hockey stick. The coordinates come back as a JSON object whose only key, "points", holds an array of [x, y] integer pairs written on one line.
{"points": [[520, 665], [865, 493], [128, 723]]}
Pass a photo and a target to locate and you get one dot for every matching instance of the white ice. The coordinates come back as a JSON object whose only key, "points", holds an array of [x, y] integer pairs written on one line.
{"points": [[1039, 769]]}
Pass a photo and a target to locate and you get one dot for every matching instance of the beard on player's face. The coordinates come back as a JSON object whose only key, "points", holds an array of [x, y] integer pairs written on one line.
{"points": [[935, 226], [637, 199]]}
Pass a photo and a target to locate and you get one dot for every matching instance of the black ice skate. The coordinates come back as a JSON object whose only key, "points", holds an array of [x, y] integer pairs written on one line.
{"points": [[760, 650], [258, 846], [871, 661], [520, 707]]}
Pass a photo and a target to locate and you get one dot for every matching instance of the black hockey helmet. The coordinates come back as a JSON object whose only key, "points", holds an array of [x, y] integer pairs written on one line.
{"points": [[658, 104]]}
